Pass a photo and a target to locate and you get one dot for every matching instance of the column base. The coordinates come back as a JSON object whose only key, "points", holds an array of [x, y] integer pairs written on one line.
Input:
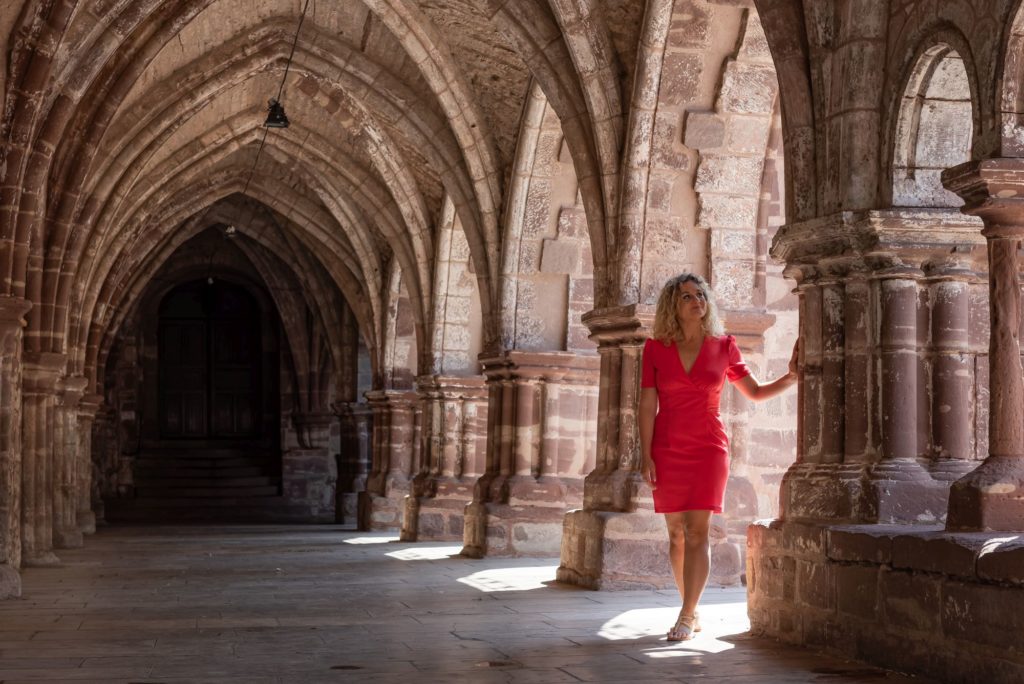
{"points": [[380, 513], [893, 492], [348, 511], [902, 492], [68, 539], [87, 522], [991, 497], [439, 517], [47, 559], [950, 470], [823, 491], [505, 530], [10, 582], [611, 550]]}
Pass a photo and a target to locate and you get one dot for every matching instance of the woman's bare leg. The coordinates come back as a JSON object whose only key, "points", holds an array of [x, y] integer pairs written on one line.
{"points": [[697, 558], [676, 524]]}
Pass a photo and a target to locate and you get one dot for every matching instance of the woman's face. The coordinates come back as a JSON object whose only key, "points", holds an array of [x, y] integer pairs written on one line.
{"points": [[690, 303]]}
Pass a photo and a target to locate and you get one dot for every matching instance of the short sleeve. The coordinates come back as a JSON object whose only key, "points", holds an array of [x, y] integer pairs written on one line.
{"points": [[737, 369], [647, 365]]}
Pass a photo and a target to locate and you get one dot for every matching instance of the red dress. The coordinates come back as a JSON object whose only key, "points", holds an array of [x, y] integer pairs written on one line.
{"points": [[690, 448]]}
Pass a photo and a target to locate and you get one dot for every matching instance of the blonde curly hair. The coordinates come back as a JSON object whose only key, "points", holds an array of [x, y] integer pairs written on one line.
{"points": [[666, 323]]}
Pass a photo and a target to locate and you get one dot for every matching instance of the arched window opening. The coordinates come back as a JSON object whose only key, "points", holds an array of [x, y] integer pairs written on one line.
{"points": [[934, 130]]}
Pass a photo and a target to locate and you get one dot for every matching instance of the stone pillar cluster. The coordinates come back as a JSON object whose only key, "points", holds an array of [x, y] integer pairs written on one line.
{"points": [[308, 475], [910, 434], [85, 484], [615, 540], [44, 454], [12, 324], [395, 448], [355, 444], [886, 416], [542, 421], [67, 532], [41, 375], [453, 436], [989, 497]]}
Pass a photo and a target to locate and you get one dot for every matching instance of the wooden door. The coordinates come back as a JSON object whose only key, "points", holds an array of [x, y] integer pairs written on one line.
{"points": [[210, 362]]}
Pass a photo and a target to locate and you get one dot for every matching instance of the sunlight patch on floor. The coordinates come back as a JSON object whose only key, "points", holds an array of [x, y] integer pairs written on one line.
{"points": [[370, 540], [511, 579], [718, 620], [425, 553]]}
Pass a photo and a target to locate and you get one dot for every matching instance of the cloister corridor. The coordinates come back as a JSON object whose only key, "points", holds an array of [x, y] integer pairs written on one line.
{"points": [[262, 604]]}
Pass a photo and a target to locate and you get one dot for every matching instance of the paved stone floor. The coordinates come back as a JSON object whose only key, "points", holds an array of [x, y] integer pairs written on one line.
{"points": [[319, 604]]}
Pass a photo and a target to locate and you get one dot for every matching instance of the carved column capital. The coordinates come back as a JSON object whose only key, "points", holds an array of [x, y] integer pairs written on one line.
{"points": [[71, 390], [41, 372], [992, 189]]}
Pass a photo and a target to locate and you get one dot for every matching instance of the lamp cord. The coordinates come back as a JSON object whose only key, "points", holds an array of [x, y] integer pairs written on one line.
{"points": [[280, 92], [295, 42]]}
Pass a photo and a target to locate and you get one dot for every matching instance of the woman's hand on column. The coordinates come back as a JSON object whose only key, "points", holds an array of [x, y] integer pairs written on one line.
{"points": [[794, 360], [647, 470]]}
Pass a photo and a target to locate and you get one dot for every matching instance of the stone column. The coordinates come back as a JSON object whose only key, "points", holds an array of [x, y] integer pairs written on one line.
{"points": [[534, 475], [898, 488], [834, 343], [66, 532], [729, 529], [991, 497], [84, 485], [953, 371], [308, 475], [394, 430], [616, 540], [863, 428], [12, 310], [40, 375], [453, 409], [105, 456], [355, 457]]}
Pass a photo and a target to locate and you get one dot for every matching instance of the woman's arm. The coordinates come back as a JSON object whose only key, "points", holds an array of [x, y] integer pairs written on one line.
{"points": [[645, 420], [755, 391]]}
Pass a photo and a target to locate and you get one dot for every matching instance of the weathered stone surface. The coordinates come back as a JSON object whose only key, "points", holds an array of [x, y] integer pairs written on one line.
{"points": [[704, 131]]}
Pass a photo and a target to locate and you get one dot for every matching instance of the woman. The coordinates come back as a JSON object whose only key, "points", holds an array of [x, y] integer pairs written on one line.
{"points": [[684, 446]]}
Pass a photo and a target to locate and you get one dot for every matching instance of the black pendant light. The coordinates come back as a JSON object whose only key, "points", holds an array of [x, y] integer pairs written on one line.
{"points": [[276, 118]]}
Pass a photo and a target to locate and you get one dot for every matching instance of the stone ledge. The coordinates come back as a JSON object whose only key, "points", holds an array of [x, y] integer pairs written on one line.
{"points": [[893, 595]]}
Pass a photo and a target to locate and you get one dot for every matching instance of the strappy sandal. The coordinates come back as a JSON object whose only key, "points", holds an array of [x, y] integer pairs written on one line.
{"points": [[684, 629]]}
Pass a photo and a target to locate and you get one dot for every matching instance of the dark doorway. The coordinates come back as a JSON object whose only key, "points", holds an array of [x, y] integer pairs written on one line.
{"points": [[210, 370]]}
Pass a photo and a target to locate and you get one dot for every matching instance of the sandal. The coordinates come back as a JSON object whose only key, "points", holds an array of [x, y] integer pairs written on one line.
{"points": [[684, 629]]}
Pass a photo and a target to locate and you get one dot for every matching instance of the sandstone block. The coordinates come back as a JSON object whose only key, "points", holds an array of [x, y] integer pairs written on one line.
{"points": [[748, 88], [704, 130], [1002, 560], [857, 590], [560, 256], [729, 174], [938, 552], [860, 543], [681, 77], [910, 600], [984, 614], [691, 27], [815, 584]]}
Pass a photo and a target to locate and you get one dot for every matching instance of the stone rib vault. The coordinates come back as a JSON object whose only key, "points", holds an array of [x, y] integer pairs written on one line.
{"points": [[419, 308]]}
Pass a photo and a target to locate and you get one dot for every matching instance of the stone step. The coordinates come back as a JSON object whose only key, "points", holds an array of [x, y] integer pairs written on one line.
{"points": [[204, 480], [148, 461], [216, 491], [163, 472]]}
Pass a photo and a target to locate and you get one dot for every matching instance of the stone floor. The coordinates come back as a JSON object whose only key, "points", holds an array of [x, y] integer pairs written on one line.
{"points": [[316, 604]]}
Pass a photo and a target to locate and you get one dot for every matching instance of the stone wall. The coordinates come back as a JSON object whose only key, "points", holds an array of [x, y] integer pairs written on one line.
{"points": [[914, 599]]}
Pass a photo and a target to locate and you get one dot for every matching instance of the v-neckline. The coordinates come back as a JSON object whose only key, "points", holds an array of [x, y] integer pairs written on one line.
{"points": [[679, 356]]}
